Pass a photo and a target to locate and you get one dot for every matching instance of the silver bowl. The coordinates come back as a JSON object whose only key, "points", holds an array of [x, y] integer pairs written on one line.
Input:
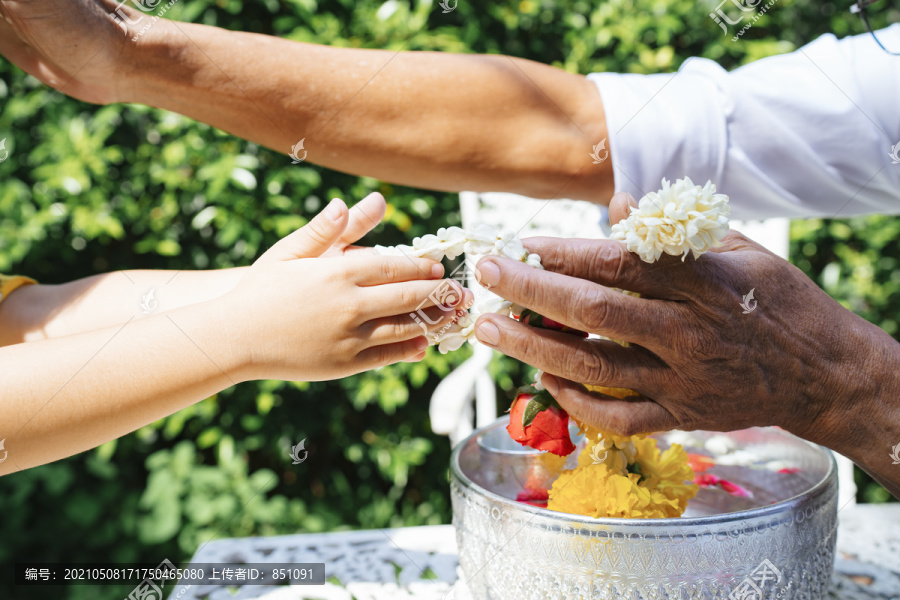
{"points": [[779, 544]]}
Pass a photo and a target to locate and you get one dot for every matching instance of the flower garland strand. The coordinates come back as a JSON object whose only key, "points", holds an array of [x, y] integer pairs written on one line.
{"points": [[627, 476], [450, 243]]}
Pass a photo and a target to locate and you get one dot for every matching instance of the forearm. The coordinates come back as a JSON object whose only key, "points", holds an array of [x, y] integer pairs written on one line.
{"points": [[63, 396], [49, 311], [427, 119]]}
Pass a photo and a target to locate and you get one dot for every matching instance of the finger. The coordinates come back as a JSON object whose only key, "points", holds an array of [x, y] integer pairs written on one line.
{"points": [[386, 354], [364, 217], [314, 238], [620, 206], [619, 417], [418, 357], [398, 328], [579, 303], [377, 270], [594, 362], [608, 262], [415, 296]]}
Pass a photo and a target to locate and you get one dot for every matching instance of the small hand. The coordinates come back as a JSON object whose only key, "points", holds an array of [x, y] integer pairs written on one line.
{"points": [[332, 233], [296, 317]]}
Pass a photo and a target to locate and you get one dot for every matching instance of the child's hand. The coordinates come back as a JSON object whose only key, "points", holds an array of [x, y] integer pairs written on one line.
{"points": [[299, 318], [334, 236]]}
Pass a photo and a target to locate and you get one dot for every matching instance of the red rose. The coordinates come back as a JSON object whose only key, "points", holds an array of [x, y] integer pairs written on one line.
{"points": [[537, 421], [529, 317]]}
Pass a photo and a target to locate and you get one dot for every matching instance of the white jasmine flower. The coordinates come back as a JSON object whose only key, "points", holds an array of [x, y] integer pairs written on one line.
{"points": [[739, 458], [490, 303], [684, 438], [400, 250], [720, 444], [480, 239], [537, 382], [450, 340], [449, 242], [509, 246], [533, 260], [678, 219]]}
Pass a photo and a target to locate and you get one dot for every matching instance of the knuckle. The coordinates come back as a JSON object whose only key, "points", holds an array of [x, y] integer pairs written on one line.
{"points": [[317, 231], [388, 270], [408, 297], [382, 355], [591, 367], [400, 327], [608, 263], [525, 286], [592, 308], [354, 310], [702, 343]]}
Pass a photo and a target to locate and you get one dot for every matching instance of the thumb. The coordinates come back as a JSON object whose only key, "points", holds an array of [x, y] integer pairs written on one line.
{"points": [[619, 206], [314, 238]]}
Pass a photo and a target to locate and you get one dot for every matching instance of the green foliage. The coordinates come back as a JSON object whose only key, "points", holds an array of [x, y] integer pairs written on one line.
{"points": [[88, 189]]}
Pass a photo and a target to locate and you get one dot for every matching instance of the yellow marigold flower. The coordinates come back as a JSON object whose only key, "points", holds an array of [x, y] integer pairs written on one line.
{"points": [[657, 487]]}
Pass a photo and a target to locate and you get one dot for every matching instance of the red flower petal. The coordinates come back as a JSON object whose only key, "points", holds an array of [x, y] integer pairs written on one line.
{"points": [[709, 480], [700, 463]]}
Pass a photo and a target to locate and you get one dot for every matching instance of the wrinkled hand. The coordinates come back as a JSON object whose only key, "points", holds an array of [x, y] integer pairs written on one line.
{"points": [[797, 360], [71, 45]]}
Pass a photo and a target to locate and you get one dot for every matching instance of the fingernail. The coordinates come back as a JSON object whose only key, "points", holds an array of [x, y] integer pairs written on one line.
{"points": [[487, 273], [630, 199], [487, 333], [550, 383], [437, 271], [333, 211], [421, 343]]}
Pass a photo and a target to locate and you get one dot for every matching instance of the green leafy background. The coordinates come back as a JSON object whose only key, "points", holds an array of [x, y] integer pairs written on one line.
{"points": [[88, 189]]}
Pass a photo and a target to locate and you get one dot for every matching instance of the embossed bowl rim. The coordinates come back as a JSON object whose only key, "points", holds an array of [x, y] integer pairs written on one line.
{"points": [[828, 484]]}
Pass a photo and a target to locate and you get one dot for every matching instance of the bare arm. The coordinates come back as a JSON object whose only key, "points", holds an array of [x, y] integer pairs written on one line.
{"points": [[67, 394], [38, 312], [73, 393], [435, 120]]}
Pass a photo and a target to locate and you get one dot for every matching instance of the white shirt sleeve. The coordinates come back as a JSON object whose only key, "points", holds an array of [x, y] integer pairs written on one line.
{"points": [[810, 133]]}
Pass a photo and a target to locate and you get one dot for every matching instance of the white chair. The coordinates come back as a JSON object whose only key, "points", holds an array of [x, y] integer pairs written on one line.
{"points": [[466, 398]]}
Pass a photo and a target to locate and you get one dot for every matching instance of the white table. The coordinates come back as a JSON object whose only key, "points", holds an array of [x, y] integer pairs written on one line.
{"points": [[389, 564]]}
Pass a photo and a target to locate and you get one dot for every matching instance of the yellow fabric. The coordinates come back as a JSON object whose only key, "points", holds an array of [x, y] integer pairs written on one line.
{"points": [[8, 283]]}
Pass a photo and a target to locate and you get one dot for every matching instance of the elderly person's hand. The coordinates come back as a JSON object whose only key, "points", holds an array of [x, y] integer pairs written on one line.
{"points": [[699, 360], [79, 47]]}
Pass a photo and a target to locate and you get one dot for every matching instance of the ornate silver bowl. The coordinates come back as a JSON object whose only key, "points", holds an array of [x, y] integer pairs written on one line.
{"points": [[777, 544]]}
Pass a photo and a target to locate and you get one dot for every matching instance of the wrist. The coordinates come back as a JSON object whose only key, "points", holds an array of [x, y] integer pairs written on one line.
{"points": [[857, 407], [226, 335]]}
